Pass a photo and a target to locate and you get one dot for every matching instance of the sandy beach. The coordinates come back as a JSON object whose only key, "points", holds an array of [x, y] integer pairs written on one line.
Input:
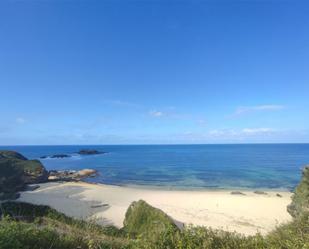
{"points": [[247, 214]]}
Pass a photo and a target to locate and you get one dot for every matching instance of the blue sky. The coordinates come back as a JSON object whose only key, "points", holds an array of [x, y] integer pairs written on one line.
{"points": [[136, 72]]}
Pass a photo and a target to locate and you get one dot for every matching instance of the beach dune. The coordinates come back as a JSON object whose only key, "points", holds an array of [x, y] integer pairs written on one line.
{"points": [[247, 214]]}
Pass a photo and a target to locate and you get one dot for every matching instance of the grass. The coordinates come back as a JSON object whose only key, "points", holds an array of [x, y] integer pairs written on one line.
{"points": [[34, 226]]}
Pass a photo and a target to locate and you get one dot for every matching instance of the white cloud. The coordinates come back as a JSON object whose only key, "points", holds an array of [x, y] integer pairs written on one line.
{"points": [[254, 131], [121, 103], [20, 120], [248, 109], [222, 133], [202, 122], [229, 133], [156, 114]]}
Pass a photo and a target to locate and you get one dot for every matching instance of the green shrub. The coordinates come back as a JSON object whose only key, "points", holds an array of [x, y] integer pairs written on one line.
{"points": [[293, 235], [19, 235], [300, 199], [28, 221], [141, 219]]}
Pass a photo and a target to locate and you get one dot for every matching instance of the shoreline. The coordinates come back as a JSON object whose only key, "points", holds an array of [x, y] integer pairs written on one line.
{"points": [[177, 188], [188, 189], [218, 209]]}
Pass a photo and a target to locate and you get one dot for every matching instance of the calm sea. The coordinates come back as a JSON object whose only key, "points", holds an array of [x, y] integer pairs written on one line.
{"points": [[252, 166]]}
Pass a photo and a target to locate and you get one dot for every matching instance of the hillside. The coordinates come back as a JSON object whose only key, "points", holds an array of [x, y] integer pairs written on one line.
{"points": [[300, 200], [16, 171]]}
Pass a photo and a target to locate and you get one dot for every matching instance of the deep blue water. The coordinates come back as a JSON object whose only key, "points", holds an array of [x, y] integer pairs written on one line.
{"points": [[185, 166]]}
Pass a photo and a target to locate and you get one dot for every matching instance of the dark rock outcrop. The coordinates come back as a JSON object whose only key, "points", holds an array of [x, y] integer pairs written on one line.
{"points": [[70, 175], [16, 171], [60, 156], [90, 152], [237, 193], [11, 178], [56, 156], [9, 154], [34, 171], [258, 192]]}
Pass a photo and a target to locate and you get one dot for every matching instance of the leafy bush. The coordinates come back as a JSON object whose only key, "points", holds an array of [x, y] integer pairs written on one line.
{"points": [[141, 219], [300, 199], [294, 235]]}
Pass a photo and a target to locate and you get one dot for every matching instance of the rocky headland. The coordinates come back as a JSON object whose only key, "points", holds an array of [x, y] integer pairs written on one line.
{"points": [[16, 172]]}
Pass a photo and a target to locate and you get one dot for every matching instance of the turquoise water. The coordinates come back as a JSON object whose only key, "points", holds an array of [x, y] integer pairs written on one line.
{"points": [[251, 166]]}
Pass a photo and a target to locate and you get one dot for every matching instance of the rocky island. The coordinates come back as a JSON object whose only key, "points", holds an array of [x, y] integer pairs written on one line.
{"points": [[56, 156], [83, 152], [90, 152]]}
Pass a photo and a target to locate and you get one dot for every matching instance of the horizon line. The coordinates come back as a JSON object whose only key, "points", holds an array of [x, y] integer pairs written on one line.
{"points": [[158, 144]]}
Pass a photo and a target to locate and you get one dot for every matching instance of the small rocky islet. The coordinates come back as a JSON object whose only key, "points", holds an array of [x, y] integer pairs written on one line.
{"points": [[83, 152], [90, 152], [56, 156]]}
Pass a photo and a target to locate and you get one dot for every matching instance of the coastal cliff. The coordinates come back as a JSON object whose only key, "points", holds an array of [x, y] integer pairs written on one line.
{"points": [[16, 171]]}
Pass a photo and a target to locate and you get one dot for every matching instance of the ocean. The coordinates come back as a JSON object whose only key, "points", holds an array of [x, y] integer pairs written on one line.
{"points": [[228, 166]]}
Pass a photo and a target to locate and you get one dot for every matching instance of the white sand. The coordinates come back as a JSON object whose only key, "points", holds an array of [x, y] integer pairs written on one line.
{"points": [[217, 209]]}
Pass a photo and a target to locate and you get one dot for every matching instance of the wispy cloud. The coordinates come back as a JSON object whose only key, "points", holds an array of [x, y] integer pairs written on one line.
{"points": [[202, 122], [169, 113], [249, 109], [20, 120], [254, 131], [122, 103], [156, 114], [227, 133]]}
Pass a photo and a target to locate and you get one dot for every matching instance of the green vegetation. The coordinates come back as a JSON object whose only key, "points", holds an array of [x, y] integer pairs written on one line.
{"points": [[300, 199], [34, 226], [9, 154], [143, 220], [294, 235], [38, 227], [11, 178], [16, 171]]}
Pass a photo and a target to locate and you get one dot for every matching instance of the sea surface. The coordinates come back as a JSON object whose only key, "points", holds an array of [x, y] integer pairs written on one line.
{"points": [[245, 166]]}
